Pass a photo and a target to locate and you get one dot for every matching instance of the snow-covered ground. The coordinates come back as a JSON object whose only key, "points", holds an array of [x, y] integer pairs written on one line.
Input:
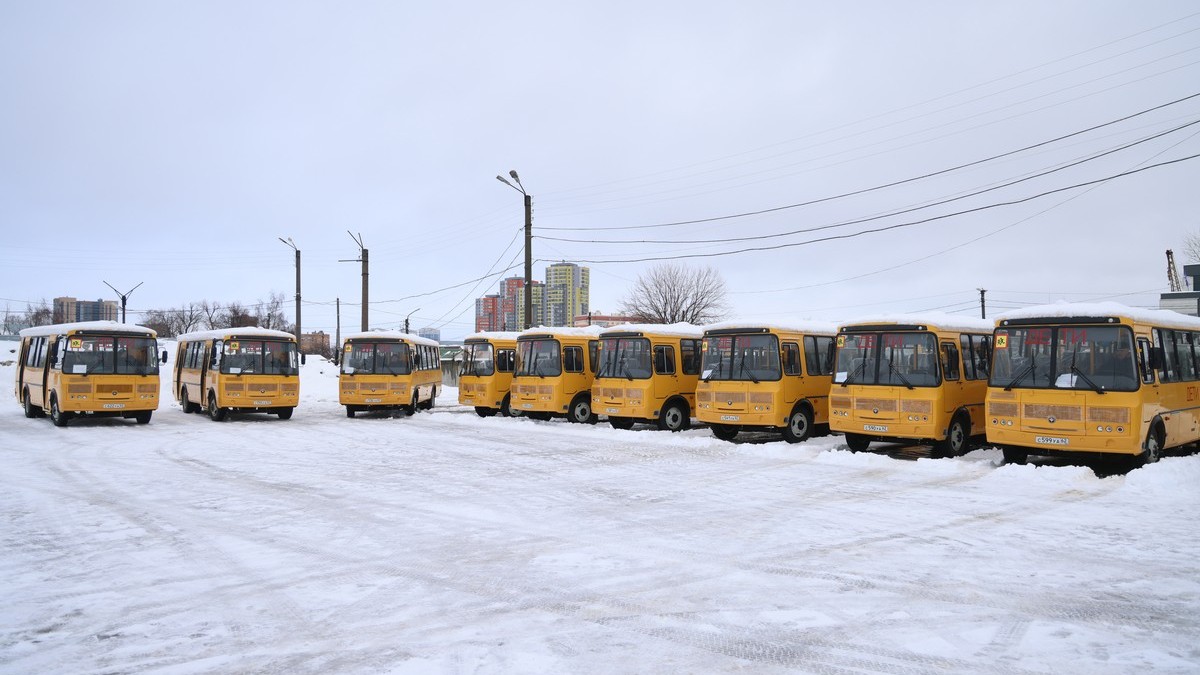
{"points": [[446, 543]]}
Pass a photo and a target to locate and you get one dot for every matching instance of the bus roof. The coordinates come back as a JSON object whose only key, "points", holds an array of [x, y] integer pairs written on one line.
{"points": [[935, 320], [802, 326], [390, 335], [510, 335], [562, 331], [113, 326], [681, 329], [1080, 310], [245, 332]]}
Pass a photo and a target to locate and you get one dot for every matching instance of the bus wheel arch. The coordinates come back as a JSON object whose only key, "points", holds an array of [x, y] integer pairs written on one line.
{"points": [[57, 416], [31, 411], [1152, 447], [215, 412], [675, 415], [958, 436], [799, 424]]}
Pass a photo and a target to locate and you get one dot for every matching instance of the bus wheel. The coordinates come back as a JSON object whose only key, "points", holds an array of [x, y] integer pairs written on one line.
{"points": [[620, 422], [506, 408], [32, 411], [57, 416], [350, 411], [484, 412], [955, 443], [1154, 446], [1015, 455], [214, 412], [724, 432], [857, 442], [285, 413], [415, 405], [581, 411], [799, 425], [674, 417], [143, 417]]}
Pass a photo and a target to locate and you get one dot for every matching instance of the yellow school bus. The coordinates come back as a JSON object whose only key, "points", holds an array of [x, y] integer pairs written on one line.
{"points": [[237, 370], [389, 370], [488, 362], [90, 368], [1098, 379], [911, 377], [648, 373], [555, 370], [759, 377]]}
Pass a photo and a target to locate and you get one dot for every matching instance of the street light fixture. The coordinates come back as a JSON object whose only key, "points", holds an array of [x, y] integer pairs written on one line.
{"points": [[528, 241], [124, 296], [406, 318], [292, 244]]}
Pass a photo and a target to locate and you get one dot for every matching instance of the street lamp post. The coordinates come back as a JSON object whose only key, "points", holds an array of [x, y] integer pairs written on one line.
{"points": [[528, 240], [124, 296], [292, 244], [406, 318]]}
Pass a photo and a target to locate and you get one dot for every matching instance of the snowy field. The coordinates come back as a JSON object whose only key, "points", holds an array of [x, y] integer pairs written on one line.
{"points": [[446, 543]]}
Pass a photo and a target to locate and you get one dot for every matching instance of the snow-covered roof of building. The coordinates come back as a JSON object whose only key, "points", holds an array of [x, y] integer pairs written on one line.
{"points": [[681, 329], [939, 320], [390, 335], [494, 335], [245, 332], [1163, 317], [563, 331], [58, 328], [796, 326]]}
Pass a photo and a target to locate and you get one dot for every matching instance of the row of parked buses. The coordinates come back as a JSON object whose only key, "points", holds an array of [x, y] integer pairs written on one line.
{"points": [[1050, 380]]}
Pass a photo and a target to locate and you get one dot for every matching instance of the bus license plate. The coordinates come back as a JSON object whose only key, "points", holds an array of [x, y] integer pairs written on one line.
{"points": [[875, 427], [1051, 440], [730, 418], [114, 406], [612, 410], [527, 406], [262, 403], [374, 400]]}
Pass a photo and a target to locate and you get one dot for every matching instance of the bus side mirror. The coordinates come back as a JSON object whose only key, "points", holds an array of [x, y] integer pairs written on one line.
{"points": [[301, 359], [163, 358]]}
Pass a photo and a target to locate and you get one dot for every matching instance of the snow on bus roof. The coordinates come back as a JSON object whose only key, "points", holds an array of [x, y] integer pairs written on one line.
{"points": [[244, 332], [1163, 317], [390, 335], [494, 335], [58, 328], [563, 331], [936, 319], [799, 326], [680, 329]]}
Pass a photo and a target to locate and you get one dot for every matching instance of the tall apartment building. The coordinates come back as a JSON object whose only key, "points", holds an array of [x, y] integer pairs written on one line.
{"points": [[67, 310], [567, 291], [434, 334], [487, 313]]}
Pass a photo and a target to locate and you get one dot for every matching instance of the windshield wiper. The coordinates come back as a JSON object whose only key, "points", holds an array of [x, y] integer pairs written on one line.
{"points": [[742, 371], [899, 374], [1021, 375], [862, 368], [1080, 373]]}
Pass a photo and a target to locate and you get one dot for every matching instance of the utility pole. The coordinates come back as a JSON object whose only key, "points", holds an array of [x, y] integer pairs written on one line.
{"points": [[337, 338], [982, 306], [528, 243], [124, 296], [289, 242], [406, 318], [362, 257]]}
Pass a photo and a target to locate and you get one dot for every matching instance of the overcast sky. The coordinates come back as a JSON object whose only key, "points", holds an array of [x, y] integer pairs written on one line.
{"points": [[173, 143]]}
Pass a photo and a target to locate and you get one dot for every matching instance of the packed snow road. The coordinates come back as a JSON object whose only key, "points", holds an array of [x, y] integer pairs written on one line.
{"points": [[448, 543]]}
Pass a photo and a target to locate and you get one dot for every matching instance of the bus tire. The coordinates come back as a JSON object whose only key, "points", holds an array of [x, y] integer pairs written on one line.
{"points": [[725, 432], [57, 416], [1153, 447], [32, 411], [581, 411], [285, 413], [143, 417], [350, 411], [620, 422], [415, 405], [186, 404], [955, 443], [215, 413], [857, 442], [674, 417], [1015, 455], [506, 408], [484, 412], [799, 425]]}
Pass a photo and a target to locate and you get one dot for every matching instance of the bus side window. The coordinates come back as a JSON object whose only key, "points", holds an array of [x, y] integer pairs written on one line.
{"points": [[791, 359], [1144, 361], [593, 354], [689, 356], [1166, 343], [949, 361], [664, 360], [573, 359], [504, 361]]}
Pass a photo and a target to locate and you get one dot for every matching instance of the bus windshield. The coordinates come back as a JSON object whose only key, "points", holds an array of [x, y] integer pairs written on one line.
{"points": [[539, 358], [377, 358], [1099, 358], [259, 357], [905, 359], [625, 357], [478, 359], [110, 355], [753, 357]]}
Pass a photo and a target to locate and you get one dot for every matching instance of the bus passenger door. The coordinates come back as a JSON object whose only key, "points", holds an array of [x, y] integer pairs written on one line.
{"points": [[666, 376], [953, 394]]}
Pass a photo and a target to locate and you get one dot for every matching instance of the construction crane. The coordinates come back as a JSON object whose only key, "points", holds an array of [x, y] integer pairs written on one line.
{"points": [[1172, 274]]}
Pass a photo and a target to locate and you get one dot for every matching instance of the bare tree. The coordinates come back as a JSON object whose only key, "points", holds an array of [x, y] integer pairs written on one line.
{"points": [[270, 313], [186, 319], [41, 315], [670, 293], [236, 315], [159, 321], [1191, 247], [212, 311]]}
